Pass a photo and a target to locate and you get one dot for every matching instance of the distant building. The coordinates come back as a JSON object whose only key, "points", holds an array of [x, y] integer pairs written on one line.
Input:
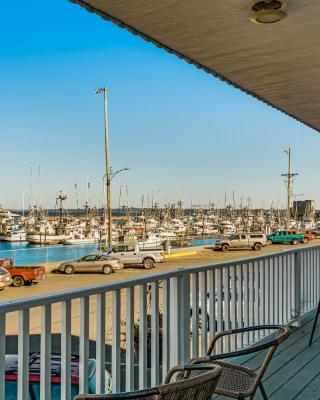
{"points": [[304, 209]]}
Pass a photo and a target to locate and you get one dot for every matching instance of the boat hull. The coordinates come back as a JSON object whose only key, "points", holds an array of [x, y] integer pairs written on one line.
{"points": [[44, 239], [70, 242], [13, 238]]}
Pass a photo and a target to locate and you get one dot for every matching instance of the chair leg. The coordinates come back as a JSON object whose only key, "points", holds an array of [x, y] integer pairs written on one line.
{"points": [[314, 324], [263, 392]]}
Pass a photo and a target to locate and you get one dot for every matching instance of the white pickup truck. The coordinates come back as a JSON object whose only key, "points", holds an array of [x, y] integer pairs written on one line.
{"points": [[130, 254]]}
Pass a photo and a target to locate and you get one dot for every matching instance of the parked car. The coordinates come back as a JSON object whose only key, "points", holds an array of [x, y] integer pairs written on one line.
{"points": [[307, 235], [5, 278], [315, 232], [94, 262], [238, 241], [11, 376], [132, 255], [22, 275], [285, 237]]}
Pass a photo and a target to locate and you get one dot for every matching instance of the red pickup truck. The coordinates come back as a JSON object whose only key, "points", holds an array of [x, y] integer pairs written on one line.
{"points": [[22, 275]]}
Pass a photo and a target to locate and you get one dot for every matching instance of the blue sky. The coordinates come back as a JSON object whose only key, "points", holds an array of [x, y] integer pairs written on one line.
{"points": [[183, 134]]}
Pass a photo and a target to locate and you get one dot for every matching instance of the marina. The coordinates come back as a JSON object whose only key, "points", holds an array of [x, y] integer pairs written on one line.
{"points": [[37, 236]]}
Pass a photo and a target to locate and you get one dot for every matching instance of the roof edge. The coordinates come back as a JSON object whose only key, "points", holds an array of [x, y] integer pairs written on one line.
{"points": [[189, 60]]}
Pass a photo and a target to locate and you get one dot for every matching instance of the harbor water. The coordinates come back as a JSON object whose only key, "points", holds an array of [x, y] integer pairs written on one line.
{"points": [[25, 254]]}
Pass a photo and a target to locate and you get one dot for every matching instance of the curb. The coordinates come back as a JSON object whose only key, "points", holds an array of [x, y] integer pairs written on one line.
{"points": [[184, 254]]}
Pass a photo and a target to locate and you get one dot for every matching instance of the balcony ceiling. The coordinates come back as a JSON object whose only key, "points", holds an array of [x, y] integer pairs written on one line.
{"points": [[278, 63]]}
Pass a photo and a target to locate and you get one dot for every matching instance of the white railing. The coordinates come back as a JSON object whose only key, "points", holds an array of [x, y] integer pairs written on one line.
{"points": [[160, 320]]}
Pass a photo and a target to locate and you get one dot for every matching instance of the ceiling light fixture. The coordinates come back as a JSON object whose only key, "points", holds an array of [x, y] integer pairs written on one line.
{"points": [[268, 11]]}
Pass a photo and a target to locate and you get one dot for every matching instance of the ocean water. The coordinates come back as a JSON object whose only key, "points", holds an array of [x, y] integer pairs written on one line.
{"points": [[24, 253]]}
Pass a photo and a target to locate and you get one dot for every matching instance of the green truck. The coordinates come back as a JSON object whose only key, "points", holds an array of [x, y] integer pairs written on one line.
{"points": [[285, 237]]}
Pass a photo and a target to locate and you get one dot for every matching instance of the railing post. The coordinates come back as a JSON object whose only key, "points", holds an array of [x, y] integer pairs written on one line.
{"points": [[155, 370], [296, 311], [45, 362], [66, 350], [2, 354], [84, 344], [101, 339], [23, 354], [130, 338], [180, 319], [143, 333], [115, 351], [166, 328]]}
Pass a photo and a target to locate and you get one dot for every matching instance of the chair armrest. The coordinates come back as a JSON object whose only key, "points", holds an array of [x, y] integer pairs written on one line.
{"points": [[233, 354], [282, 334], [187, 369], [172, 371], [217, 336]]}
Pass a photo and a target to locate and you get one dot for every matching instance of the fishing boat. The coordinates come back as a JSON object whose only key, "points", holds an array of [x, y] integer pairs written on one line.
{"points": [[18, 235], [226, 227], [152, 241], [77, 241], [46, 233], [45, 238]]}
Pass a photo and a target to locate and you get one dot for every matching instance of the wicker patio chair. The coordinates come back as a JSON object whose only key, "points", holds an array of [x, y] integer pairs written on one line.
{"points": [[199, 387], [314, 324], [236, 381]]}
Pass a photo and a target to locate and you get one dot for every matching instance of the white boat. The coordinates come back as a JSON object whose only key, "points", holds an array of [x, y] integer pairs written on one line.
{"points": [[152, 241], [45, 239], [75, 241], [14, 236], [226, 227], [308, 223], [166, 235]]}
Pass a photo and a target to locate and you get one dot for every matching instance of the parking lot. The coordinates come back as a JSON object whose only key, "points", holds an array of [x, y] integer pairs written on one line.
{"points": [[55, 282]]}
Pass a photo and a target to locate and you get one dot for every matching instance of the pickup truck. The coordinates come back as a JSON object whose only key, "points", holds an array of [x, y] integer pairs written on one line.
{"points": [[130, 254], [285, 237], [22, 275], [307, 235], [238, 241]]}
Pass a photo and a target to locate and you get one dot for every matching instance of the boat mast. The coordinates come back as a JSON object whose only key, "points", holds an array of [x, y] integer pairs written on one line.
{"points": [[23, 204]]}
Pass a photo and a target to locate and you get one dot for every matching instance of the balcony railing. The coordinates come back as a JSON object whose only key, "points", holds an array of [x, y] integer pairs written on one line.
{"points": [[157, 321]]}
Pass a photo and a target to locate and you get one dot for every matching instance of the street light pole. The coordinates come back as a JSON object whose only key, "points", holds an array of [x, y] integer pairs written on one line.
{"points": [[108, 172]]}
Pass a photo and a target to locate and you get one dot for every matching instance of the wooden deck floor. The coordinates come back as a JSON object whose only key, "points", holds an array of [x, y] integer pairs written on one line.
{"points": [[294, 372]]}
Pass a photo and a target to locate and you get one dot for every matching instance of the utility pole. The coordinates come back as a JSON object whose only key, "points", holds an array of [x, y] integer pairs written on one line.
{"points": [[289, 176], [108, 171]]}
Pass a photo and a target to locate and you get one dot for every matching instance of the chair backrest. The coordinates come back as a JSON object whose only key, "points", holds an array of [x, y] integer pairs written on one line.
{"points": [[200, 387], [282, 332]]}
